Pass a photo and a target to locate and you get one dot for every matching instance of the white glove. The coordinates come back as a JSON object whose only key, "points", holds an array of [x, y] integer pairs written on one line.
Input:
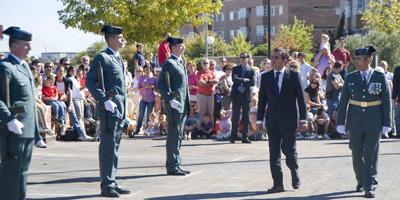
{"points": [[15, 126], [341, 129], [110, 106], [386, 129], [175, 104]]}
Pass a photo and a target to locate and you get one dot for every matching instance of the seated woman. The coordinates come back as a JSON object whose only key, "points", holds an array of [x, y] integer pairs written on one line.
{"points": [[313, 101]]}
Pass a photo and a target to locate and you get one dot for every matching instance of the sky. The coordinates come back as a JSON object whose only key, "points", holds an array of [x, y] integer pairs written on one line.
{"points": [[41, 19]]}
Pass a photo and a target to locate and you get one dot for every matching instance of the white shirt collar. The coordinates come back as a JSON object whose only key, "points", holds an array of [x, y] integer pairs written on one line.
{"points": [[368, 71], [16, 58], [281, 71]]}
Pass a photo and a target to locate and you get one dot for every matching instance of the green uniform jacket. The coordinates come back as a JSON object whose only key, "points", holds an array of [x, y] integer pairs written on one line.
{"points": [[114, 80], [368, 119], [22, 93], [178, 78]]}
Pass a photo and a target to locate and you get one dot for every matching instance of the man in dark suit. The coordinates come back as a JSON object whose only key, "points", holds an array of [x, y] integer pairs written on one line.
{"points": [[396, 99], [173, 86], [282, 91], [106, 82], [18, 121], [243, 77]]}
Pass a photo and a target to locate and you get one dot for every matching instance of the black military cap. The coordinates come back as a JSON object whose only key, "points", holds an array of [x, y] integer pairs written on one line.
{"points": [[17, 33], [366, 51], [109, 29], [172, 40]]}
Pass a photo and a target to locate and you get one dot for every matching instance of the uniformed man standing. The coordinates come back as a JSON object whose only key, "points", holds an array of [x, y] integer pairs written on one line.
{"points": [[18, 120], [173, 86], [106, 82], [365, 109]]}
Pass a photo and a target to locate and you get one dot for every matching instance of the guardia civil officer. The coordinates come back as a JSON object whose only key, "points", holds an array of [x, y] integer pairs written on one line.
{"points": [[365, 110], [18, 120], [106, 82], [173, 86]]}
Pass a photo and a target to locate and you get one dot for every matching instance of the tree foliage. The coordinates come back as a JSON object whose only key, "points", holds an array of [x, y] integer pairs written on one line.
{"points": [[387, 45], [239, 45], [196, 46], [294, 37], [260, 50], [383, 15], [91, 51], [146, 21]]}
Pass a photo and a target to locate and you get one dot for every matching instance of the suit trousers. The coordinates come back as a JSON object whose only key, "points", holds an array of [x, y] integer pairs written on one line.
{"points": [[176, 122], [205, 104], [286, 140], [14, 170], [240, 105], [365, 150], [108, 151]]}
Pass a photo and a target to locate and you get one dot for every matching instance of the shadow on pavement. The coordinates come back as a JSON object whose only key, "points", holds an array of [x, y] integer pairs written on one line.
{"points": [[95, 196], [92, 179], [210, 195]]}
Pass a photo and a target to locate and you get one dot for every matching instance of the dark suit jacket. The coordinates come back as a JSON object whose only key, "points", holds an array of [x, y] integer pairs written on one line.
{"points": [[396, 84], [22, 94], [178, 87], [282, 108], [114, 80], [237, 79]]}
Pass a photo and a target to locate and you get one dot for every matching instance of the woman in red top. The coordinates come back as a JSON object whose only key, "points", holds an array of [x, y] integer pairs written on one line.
{"points": [[206, 82]]}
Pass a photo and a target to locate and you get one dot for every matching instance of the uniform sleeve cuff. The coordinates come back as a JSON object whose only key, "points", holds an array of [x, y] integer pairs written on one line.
{"points": [[259, 122]]}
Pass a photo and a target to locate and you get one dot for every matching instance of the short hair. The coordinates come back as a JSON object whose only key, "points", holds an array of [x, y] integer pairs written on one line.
{"points": [[139, 45], [338, 64], [85, 56], [302, 54], [11, 41], [213, 61], [227, 66], [62, 60], [51, 77], [49, 64], [284, 55]]}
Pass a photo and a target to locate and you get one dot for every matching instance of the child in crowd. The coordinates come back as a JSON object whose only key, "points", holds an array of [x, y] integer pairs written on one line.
{"points": [[191, 125], [253, 133], [163, 124], [325, 42], [206, 128], [50, 97], [225, 125], [321, 123], [152, 125]]}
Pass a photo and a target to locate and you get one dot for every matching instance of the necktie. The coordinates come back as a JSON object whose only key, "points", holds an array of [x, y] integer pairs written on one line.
{"points": [[277, 82], [364, 77]]}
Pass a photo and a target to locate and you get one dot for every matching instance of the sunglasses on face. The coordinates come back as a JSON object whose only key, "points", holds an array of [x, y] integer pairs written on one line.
{"points": [[205, 63], [292, 66], [276, 57], [243, 57]]}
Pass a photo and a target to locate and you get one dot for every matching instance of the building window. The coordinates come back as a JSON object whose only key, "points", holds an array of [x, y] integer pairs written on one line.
{"points": [[242, 13], [231, 16], [242, 30], [232, 33], [280, 10], [222, 17], [261, 30], [260, 11], [273, 10], [273, 30]]}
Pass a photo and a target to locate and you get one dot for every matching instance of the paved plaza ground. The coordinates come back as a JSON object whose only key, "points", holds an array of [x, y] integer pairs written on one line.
{"points": [[69, 170]]}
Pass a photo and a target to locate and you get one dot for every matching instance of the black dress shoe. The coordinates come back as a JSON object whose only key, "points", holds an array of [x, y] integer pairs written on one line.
{"points": [[246, 140], [369, 194], [176, 173], [296, 185], [276, 189], [122, 190], [111, 192], [184, 171], [232, 141], [359, 188]]}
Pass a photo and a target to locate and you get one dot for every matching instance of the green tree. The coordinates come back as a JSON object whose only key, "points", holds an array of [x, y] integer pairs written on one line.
{"points": [[239, 45], [91, 51], [294, 37], [383, 15], [387, 45], [260, 50], [195, 47], [145, 21]]}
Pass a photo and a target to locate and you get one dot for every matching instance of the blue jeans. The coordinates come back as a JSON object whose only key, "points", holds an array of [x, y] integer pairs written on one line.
{"points": [[58, 109], [332, 104], [144, 106], [74, 122]]}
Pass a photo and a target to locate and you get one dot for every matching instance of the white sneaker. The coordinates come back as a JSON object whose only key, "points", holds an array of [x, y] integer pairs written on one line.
{"points": [[307, 137], [299, 136], [62, 130], [385, 135], [86, 137], [326, 137], [41, 144]]}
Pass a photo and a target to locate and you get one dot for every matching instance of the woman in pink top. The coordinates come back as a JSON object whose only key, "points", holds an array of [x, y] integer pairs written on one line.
{"points": [[192, 79]]}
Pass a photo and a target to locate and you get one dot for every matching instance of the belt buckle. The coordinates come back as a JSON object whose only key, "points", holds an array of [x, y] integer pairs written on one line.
{"points": [[364, 104]]}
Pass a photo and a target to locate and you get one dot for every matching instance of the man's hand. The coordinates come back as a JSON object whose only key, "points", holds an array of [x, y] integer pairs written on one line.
{"points": [[110, 106], [259, 126], [15, 126]]}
